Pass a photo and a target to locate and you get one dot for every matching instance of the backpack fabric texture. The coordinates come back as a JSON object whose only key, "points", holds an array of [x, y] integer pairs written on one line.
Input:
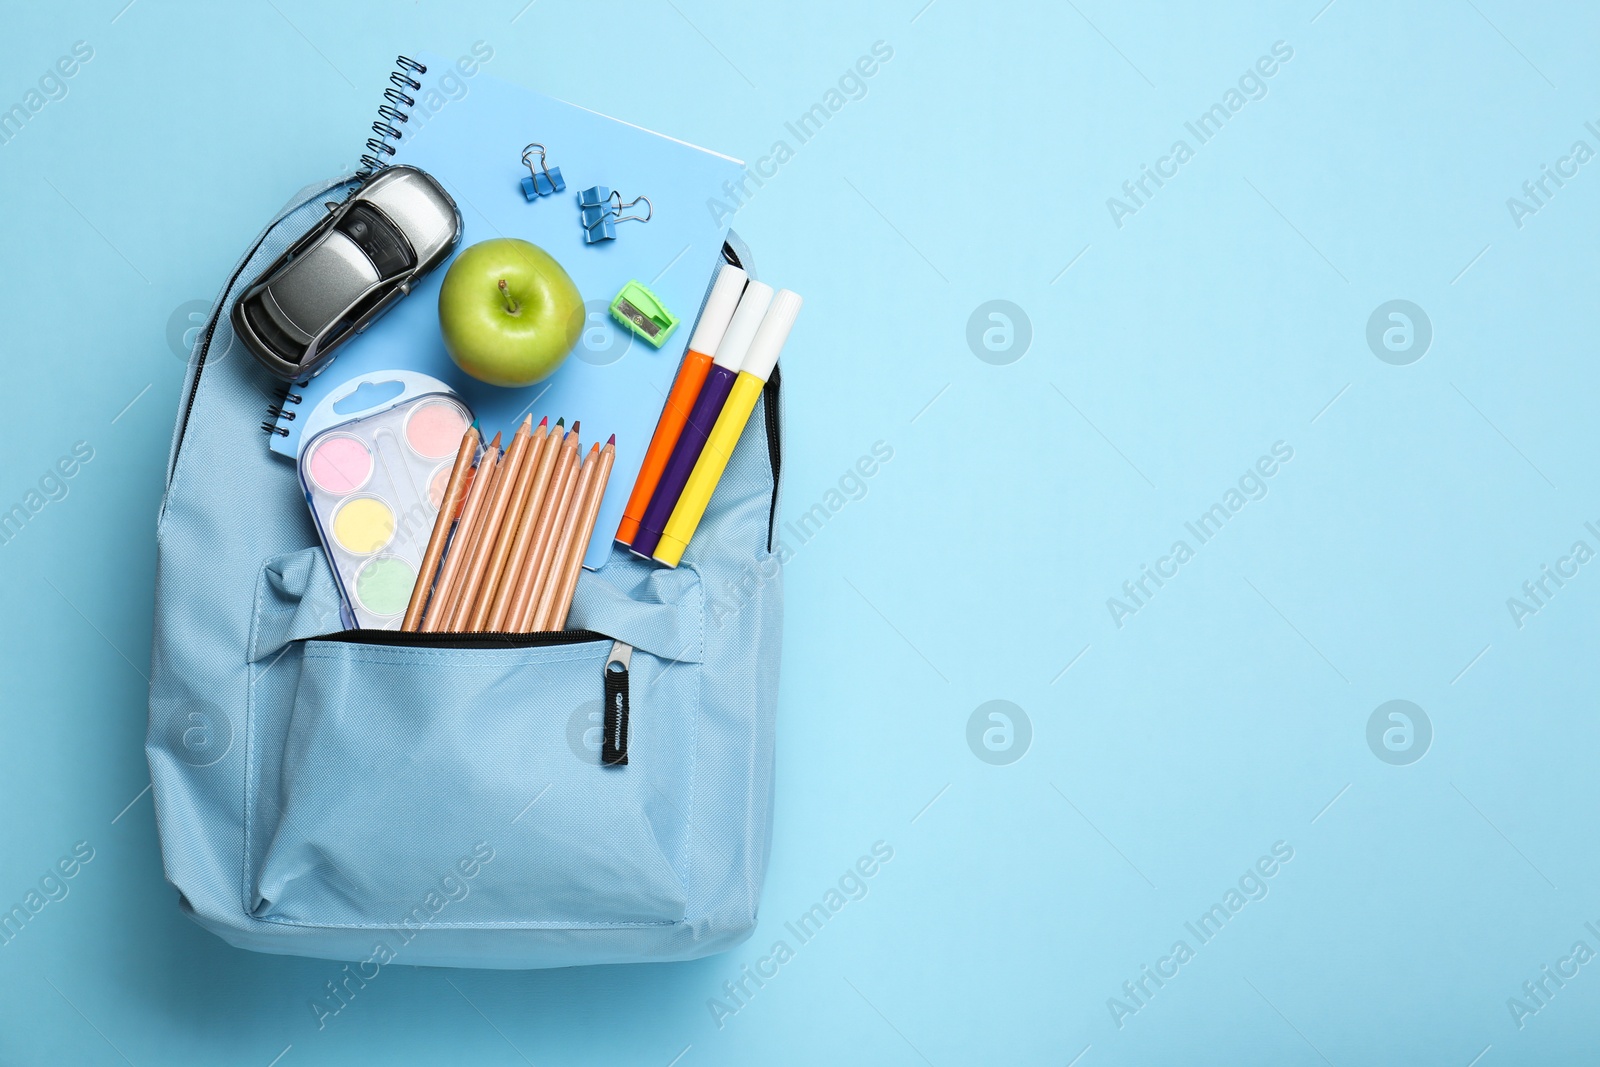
{"points": [[447, 805]]}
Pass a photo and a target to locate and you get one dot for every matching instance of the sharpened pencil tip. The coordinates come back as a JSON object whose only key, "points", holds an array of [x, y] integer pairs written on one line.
{"points": [[496, 442], [612, 440], [575, 425], [562, 421], [544, 422]]}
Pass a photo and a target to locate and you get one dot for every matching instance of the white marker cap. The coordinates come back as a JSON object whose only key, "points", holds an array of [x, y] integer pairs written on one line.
{"points": [[718, 310], [774, 331], [742, 330]]}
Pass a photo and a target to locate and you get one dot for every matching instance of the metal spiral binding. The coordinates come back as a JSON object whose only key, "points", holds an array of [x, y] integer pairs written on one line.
{"points": [[391, 115], [279, 413]]}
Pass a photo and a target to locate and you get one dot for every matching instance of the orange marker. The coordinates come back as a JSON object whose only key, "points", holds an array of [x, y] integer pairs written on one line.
{"points": [[696, 365]]}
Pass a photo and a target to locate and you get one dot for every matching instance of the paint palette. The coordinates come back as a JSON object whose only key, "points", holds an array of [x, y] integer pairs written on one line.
{"points": [[374, 484]]}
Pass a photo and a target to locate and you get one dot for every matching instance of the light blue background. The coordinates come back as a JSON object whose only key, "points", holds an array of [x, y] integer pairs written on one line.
{"points": [[1228, 714]]}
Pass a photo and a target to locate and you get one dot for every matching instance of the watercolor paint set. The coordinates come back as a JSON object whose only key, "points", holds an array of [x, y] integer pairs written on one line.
{"points": [[374, 484]]}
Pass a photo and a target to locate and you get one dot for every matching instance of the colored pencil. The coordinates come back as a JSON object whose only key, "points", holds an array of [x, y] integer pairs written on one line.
{"points": [[448, 507], [697, 361], [476, 546], [494, 571], [442, 606], [590, 512], [509, 541], [562, 480], [527, 521], [541, 563], [505, 483], [556, 577], [562, 494]]}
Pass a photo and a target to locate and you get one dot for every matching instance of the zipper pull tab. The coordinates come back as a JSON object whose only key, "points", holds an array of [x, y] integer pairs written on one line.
{"points": [[614, 749]]}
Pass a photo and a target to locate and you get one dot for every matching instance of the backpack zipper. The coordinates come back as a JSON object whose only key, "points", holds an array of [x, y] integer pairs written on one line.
{"points": [[613, 750], [489, 639], [769, 401], [770, 408], [211, 327]]}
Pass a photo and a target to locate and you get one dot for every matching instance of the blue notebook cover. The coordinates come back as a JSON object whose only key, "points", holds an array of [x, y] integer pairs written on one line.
{"points": [[612, 382]]}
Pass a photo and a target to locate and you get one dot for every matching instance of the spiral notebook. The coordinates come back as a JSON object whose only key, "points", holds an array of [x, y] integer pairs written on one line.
{"points": [[469, 133]]}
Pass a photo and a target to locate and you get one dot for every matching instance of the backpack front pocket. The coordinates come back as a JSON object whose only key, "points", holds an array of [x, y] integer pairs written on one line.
{"points": [[434, 782]]}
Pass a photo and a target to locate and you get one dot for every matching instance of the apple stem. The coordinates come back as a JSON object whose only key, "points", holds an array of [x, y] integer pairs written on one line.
{"points": [[505, 294]]}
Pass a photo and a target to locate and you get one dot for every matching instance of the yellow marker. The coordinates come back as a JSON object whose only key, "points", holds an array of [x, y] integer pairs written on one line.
{"points": [[753, 373]]}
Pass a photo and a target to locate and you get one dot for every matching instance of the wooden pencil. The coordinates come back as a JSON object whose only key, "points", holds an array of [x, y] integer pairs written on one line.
{"points": [[442, 604], [555, 576], [494, 571], [453, 492], [539, 563], [500, 617], [467, 546], [489, 529], [562, 481], [591, 512]]}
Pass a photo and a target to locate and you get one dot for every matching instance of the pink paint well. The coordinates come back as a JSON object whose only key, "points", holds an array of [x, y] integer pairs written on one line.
{"points": [[435, 429], [340, 465]]}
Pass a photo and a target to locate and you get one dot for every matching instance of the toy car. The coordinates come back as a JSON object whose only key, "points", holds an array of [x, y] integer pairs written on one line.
{"points": [[351, 267]]}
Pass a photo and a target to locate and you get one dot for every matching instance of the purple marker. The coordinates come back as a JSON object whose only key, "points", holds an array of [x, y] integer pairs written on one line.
{"points": [[703, 416]]}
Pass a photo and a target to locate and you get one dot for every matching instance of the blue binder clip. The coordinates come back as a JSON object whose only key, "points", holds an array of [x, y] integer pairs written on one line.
{"points": [[600, 209], [594, 213], [543, 181]]}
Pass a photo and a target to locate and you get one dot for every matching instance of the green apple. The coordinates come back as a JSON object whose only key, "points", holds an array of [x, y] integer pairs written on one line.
{"points": [[508, 312]]}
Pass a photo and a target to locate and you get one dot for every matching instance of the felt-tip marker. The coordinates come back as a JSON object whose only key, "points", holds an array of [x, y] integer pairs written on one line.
{"points": [[725, 367], [692, 373], [753, 374]]}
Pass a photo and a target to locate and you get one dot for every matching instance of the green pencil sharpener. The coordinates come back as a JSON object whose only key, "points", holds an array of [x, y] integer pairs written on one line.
{"points": [[637, 309]]}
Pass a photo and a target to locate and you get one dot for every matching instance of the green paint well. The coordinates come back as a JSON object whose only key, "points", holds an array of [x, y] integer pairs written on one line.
{"points": [[384, 585]]}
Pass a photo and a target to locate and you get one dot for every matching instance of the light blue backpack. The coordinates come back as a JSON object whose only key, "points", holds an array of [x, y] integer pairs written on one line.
{"points": [[440, 799]]}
